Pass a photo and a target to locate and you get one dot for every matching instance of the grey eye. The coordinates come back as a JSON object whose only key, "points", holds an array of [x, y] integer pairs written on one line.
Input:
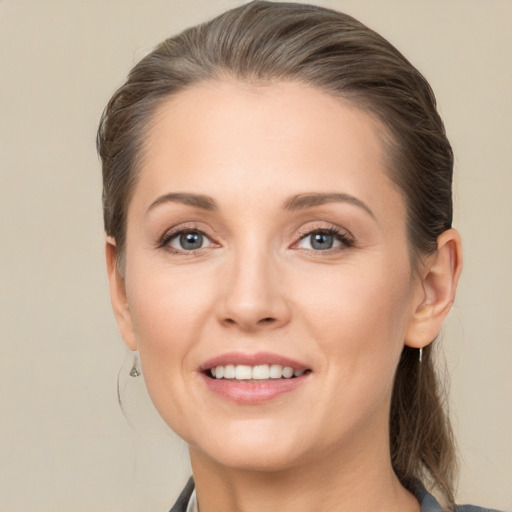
{"points": [[188, 241], [321, 241]]}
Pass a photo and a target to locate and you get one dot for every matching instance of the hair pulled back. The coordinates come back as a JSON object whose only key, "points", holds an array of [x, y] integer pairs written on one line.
{"points": [[265, 42]]}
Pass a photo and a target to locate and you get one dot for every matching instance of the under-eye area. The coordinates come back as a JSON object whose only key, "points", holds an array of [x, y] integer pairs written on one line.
{"points": [[244, 372]]}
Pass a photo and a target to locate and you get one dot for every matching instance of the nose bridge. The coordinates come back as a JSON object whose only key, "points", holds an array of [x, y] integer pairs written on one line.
{"points": [[252, 296]]}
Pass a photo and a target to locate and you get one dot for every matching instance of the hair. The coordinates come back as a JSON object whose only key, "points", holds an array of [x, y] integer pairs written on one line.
{"points": [[266, 42]]}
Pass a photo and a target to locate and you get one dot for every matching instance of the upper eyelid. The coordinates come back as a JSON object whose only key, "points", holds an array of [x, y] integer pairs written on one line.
{"points": [[309, 231], [187, 226], [324, 226]]}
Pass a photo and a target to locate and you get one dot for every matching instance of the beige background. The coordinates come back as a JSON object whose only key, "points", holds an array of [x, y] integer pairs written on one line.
{"points": [[64, 443]]}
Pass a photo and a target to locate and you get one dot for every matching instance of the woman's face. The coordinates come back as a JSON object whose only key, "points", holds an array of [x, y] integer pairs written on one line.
{"points": [[263, 235]]}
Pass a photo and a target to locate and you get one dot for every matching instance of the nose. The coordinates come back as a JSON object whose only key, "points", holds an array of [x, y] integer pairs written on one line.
{"points": [[253, 297]]}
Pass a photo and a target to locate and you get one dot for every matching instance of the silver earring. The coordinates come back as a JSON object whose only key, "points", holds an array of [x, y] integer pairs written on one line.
{"points": [[421, 354], [135, 371]]}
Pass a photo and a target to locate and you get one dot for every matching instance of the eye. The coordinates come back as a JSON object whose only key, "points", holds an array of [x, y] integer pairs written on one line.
{"points": [[323, 240], [319, 241], [186, 241]]}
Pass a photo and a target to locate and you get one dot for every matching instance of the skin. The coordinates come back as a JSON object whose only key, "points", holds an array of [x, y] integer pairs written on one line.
{"points": [[257, 285]]}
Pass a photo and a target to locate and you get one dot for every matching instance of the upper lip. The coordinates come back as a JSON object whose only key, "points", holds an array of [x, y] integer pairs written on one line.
{"points": [[255, 359]]}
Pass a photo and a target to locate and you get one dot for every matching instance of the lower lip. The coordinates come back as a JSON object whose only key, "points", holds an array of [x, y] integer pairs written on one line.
{"points": [[253, 392]]}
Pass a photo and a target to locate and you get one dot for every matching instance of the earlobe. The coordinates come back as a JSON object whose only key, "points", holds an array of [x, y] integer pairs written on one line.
{"points": [[118, 295], [440, 276]]}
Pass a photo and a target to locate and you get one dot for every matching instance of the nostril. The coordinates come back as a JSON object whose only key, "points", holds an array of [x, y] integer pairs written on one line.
{"points": [[251, 323]]}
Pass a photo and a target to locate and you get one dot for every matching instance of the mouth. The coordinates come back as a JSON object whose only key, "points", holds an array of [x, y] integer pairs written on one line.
{"points": [[260, 372], [253, 378]]}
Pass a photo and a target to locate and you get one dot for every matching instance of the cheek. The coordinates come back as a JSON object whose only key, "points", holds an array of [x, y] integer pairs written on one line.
{"points": [[359, 318], [168, 311], [168, 314], [359, 321], [351, 301]]}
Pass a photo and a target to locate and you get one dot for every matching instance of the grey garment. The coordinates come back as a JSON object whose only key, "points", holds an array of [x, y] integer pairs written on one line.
{"points": [[427, 501], [182, 501]]}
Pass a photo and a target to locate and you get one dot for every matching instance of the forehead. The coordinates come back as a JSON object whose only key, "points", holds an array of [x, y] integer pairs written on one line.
{"points": [[284, 137]]}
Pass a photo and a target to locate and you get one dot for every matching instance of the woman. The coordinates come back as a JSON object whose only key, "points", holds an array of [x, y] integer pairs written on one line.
{"points": [[277, 203]]}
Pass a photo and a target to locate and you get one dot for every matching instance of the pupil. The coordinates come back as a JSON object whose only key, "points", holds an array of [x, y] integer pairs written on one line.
{"points": [[322, 241], [191, 241]]}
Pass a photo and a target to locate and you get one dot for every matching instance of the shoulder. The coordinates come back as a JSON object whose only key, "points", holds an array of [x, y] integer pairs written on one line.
{"points": [[473, 508], [429, 503]]}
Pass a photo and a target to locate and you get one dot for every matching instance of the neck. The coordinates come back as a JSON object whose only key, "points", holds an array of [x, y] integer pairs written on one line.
{"points": [[340, 482]]}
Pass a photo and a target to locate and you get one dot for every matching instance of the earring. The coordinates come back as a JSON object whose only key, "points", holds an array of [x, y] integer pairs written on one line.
{"points": [[135, 371], [421, 354]]}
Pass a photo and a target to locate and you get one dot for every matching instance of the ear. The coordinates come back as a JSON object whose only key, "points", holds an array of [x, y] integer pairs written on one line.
{"points": [[118, 295], [436, 291]]}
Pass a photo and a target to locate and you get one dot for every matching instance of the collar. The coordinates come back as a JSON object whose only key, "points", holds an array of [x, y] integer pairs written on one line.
{"points": [[192, 503], [427, 502]]}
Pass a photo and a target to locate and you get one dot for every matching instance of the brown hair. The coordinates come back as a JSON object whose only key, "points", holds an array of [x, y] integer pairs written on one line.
{"points": [[264, 42]]}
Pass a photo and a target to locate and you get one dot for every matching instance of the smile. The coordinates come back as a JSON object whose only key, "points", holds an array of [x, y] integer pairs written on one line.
{"points": [[258, 372], [253, 378]]}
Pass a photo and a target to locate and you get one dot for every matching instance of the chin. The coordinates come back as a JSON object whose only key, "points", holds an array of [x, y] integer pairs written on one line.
{"points": [[255, 460], [250, 447]]}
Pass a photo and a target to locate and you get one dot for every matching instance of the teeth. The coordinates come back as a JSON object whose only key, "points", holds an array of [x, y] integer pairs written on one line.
{"points": [[242, 372], [229, 371], [259, 372], [276, 371], [287, 372]]}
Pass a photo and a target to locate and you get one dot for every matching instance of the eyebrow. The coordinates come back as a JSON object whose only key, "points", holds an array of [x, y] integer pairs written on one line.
{"points": [[294, 203], [196, 200], [303, 201]]}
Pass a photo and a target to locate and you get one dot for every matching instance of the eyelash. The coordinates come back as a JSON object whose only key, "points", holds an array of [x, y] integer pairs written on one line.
{"points": [[165, 240], [343, 237]]}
